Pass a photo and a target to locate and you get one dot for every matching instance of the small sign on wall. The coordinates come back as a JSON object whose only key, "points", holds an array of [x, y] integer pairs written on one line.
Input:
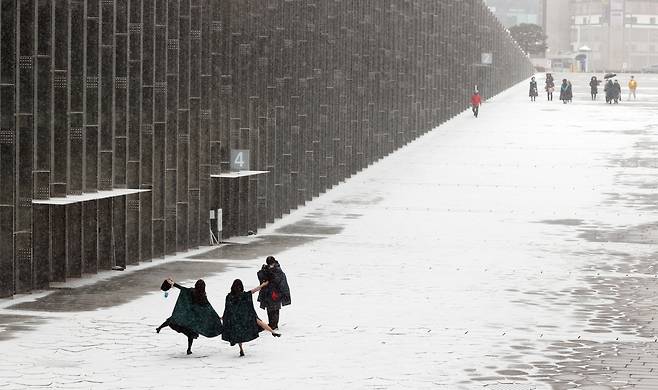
{"points": [[240, 159], [487, 58]]}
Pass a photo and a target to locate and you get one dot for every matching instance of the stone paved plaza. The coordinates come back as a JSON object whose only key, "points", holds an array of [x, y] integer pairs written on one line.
{"points": [[512, 251]]}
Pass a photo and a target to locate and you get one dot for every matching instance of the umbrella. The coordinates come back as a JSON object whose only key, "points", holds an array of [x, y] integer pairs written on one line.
{"points": [[610, 75]]}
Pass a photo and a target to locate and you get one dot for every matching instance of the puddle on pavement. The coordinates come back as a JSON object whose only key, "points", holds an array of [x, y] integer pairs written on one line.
{"points": [[120, 289], [360, 200], [311, 227], [567, 222], [260, 247], [638, 234], [11, 324]]}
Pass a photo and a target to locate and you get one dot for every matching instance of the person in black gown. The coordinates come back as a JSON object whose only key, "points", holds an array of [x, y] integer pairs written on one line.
{"points": [[193, 314], [241, 324]]}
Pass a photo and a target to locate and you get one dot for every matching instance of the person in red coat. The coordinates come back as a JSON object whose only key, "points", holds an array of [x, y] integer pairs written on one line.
{"points": [[476, 100]]}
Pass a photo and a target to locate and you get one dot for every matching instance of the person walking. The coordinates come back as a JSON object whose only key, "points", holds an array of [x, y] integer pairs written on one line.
{"points": [[632, 88], [550, 86], [193, 314], [617, 91], [476, 101], [569, 91], [609, 90], [276, 293], [241, 324], [533, 89], [563, 91], [594, 87]]}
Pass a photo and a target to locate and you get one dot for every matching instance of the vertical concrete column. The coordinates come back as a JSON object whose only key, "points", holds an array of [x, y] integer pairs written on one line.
{"points": [[120, 117], [171, 137], [133, 166], [194, 216], [91, 95], [118, 240], [183, 141], [90, 237], [41, 246], [106, 115], [159, 136], [270, 156], [147, 129], [108, 54], [74, 240], [105, 225], [60, 128], [25, 90], [91, 140], [58, 245], [205, 82], [60, 138], [8, 131]]}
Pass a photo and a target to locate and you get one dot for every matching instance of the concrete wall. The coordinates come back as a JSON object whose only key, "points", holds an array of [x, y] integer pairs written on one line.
{"points": [[101, 95]]}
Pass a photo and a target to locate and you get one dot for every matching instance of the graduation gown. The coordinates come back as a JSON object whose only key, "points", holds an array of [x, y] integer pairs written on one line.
{"points": [[240, 319], [194, 319]]}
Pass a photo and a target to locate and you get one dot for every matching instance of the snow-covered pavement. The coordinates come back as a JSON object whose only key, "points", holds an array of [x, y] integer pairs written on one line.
{"points": [[512, 251]]}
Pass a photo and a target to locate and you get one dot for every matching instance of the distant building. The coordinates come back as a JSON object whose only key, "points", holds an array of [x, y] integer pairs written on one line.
{"points": [[603, 34], [557, 26], [513, 12]]}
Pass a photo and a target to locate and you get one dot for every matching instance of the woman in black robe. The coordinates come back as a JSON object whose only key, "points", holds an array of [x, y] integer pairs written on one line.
{"points": [[193, 314], [594, 87], [241, 324], [533, 89]]}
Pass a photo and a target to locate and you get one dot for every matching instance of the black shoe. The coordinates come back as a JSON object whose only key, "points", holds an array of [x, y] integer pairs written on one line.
{"points": [[189, 351], [276, 334], [241, 353], [158, 329]]}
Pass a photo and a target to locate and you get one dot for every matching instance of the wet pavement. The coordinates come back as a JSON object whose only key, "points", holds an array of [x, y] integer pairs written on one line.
{"points": [[512, 252]]}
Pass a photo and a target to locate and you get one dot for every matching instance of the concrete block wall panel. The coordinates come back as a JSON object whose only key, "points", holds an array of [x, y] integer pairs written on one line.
{"points": [[74, 240], [153, 94], [7, 146], [8, 69]]}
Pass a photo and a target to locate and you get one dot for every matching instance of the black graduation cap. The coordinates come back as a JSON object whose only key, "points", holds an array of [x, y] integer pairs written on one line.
{"points": [[165, 286]]}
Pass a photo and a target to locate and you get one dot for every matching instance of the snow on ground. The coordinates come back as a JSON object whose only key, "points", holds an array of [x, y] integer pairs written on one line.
{"points": [[458, 262]]}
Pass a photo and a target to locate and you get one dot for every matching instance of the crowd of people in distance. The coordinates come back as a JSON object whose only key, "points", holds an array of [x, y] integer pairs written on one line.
{"points": [[612, 90]]}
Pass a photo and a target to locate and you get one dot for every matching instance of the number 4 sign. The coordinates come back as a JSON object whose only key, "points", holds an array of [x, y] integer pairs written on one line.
{"points": [[240, 159]]}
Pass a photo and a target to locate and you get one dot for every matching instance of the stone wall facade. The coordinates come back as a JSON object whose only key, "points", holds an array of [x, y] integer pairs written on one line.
{"points": [[102, 98]]}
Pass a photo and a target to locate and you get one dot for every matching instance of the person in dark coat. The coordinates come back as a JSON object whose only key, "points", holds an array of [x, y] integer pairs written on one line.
{"points": [[569, 91], [193, 314], [533, 89], [550, 86], [276, 294], [594, 87], [241, 324], [563, 91], [609, 90], [617, 91]]}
